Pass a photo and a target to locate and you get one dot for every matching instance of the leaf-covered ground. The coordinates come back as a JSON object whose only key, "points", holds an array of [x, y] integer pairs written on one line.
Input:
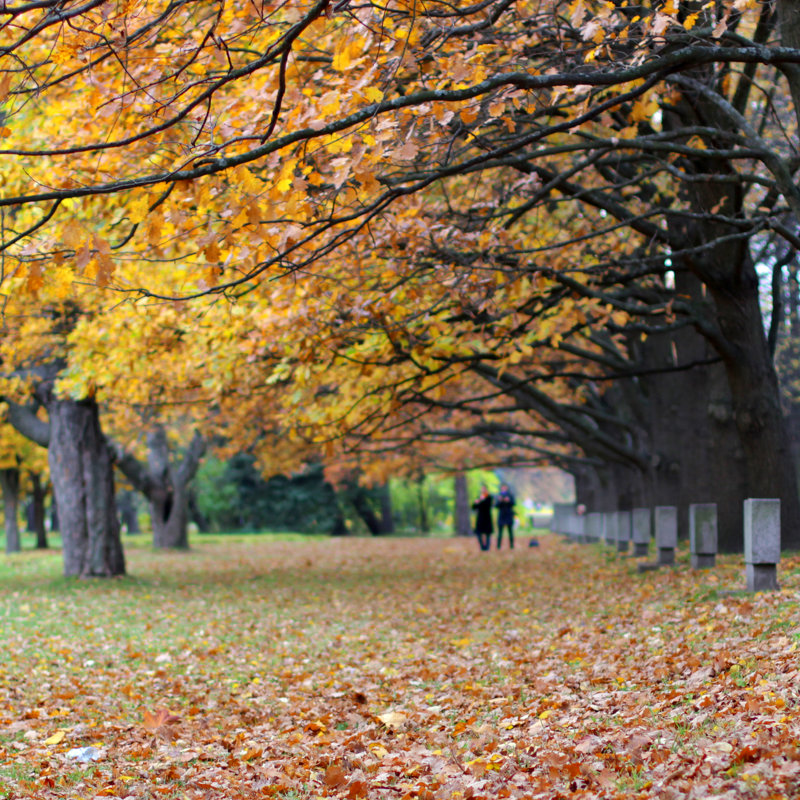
{"points": [[405, 668]]}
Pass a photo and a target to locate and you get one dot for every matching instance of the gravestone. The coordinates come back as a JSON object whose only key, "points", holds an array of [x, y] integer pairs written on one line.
{"points": [[762, 544], [594, 526], [703, 534], [560, 511], [666, 524], [641, 531], [610, 527], [623, 531], [575, 526]]}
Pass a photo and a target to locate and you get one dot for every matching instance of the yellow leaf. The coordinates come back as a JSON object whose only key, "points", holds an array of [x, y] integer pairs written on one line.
{"points": [[341, 60], [137, 210], [373, 94], [56, 738], [690, 21], [62, 282], [643, 109], [546, 714], [330, 103]]}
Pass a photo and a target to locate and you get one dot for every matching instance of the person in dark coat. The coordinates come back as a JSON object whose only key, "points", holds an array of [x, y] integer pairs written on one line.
{"points": [[505, 515], [483, 519]]}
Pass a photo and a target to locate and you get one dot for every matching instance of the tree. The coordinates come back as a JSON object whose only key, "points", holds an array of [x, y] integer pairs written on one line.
{"points": [[649, 142], [36, 510], [165, 484], [21, 464]]}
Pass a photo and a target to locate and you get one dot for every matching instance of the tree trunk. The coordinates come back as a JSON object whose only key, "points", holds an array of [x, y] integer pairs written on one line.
{"points": [[697, 453], [360, 499], [165, 485], [756, 401], [9, 480], [339, 527], [81, 468], [169, 512], [424, 526], [732, 322], [54, 526], [462, 520], [128, 513], [387, 521], [36, 512]]}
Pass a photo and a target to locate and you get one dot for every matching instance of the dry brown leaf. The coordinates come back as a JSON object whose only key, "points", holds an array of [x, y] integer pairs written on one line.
{"points": [[393, 719]]}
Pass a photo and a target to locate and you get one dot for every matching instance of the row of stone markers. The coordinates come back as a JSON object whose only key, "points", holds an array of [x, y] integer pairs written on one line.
{"points": [[762, 535]]}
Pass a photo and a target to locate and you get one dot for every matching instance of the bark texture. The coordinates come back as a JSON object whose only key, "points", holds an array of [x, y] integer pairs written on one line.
{"points": [[128, 513], [9, 480], [462, 521], [387, 519], [165, 485], [36, 512], [82, 471]]}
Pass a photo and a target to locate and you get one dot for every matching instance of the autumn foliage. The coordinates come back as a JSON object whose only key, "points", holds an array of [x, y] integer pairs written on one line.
{"points": [[398, 668]]}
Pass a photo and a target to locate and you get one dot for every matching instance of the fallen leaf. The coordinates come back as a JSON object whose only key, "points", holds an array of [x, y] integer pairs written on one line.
{"points": [[720, 747], [392, 719], [161, 723], [334, 776]]}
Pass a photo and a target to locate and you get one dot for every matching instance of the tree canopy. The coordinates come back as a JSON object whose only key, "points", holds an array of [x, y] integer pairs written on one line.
{"points": [[410, 234]]}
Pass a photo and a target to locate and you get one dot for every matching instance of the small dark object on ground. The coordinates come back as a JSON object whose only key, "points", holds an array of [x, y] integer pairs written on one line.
{"points": [[533, 543]]}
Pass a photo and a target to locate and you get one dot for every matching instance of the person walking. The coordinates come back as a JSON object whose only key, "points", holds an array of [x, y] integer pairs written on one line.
{"points": [[505, 515], [483, 519]]}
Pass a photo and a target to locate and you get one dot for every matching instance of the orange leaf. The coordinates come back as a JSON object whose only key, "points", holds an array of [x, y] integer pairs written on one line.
{"points": [[160, 723], [334, 776]]}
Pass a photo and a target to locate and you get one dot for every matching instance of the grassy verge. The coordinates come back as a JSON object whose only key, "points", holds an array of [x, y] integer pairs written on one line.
{"points": [[259, 666]]}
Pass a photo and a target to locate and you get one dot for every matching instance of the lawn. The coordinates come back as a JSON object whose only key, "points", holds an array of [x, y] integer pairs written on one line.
{"points": [[396, 668]]}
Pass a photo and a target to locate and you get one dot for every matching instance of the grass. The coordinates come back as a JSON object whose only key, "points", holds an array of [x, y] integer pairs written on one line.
{"points": [[280, 655]]}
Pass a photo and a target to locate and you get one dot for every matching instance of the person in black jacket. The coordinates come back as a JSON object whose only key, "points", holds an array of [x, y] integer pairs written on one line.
{"points": [[483, 519], [505, 515]]}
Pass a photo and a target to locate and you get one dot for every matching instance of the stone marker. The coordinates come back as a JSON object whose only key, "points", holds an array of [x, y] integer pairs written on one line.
{"points": [[623, 531], [641, 531], [666, 524], [762, 544], [594, 526], [559, 514], [574, 526], [580, 527], [703, 534], [609, 527]]}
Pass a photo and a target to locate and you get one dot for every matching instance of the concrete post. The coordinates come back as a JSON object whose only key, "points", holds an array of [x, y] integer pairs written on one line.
{"points": [[762, 544], [610, 527], [641, 531], [666, 524], [580, 527], [623, 531], [594, 526], [703, 534]]}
